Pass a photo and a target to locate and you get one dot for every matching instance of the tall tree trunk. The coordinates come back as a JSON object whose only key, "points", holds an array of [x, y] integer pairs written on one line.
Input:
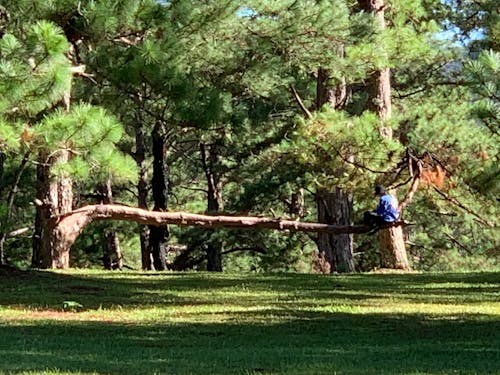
{"points": [[210, 158], [2, 162], [335, 96], [112, 257], [334, 207], [392, 245], [2, 251], [55, 197], [3, 234], [142, 188], [158, 235], [392, 248]]}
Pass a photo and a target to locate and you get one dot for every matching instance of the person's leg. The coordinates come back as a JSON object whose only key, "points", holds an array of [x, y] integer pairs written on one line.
{"points": [[371, 218]]}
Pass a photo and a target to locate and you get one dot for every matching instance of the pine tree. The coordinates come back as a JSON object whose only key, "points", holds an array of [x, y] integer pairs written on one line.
{"points": [[379, 100], [66, 140], [254, 109], [121, 45]]}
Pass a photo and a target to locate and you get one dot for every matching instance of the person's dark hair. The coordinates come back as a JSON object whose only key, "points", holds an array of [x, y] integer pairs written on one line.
{"points": [[379, 189]]}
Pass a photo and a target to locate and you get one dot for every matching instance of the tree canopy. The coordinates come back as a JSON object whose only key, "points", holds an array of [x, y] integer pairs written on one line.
{"points": [[220, 108]]}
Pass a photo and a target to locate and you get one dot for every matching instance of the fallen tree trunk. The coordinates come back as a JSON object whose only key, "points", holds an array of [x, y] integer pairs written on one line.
{"points": [[118, 212], [71, 224]]}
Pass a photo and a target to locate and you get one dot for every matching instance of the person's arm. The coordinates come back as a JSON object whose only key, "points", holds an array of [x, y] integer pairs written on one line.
{"points": [[383, 206]]}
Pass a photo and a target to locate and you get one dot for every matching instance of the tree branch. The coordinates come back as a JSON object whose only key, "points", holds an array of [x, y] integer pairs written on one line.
{"points": [[300, 102], [13, 190], [359, 165], [456, 242], [91, 213], [466, 209], [17, 232], [414, 186]]}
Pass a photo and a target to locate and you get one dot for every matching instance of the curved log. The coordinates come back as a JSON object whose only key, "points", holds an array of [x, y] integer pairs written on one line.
{"points": [[71, 224]]}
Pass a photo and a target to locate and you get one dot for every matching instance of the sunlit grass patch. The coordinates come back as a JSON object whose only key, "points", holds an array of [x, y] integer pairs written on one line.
{"points": [[200, 323]]}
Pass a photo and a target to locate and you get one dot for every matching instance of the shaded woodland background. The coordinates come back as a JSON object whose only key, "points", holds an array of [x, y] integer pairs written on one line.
{"points": [[285, 109]]}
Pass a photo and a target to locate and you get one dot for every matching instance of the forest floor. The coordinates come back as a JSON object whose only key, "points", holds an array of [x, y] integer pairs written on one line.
{"points": [[97, 322]]}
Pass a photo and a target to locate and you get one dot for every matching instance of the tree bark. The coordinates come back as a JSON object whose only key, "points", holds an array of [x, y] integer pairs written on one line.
{"points": [[334, 207], [158, 235], [392, 246], [335, 96], [142, 189], [2, 251], [2, 162], [56, 197], [112, 257], [336, 249], [378, 87], [210, 158]]}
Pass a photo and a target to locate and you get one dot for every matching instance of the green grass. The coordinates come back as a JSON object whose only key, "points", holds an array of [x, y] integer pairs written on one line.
{"points": [[200, 323]]}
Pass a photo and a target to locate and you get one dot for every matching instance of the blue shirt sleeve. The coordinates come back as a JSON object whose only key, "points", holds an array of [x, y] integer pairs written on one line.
{"points": [[388, 208]]}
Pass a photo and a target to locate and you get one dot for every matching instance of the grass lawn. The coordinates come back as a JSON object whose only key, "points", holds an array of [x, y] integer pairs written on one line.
{"points": [[200, 323]]}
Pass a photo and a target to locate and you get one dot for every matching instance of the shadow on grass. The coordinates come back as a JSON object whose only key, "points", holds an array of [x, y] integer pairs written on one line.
{"points": [[48, 289], [318, 343], [306, 342]]}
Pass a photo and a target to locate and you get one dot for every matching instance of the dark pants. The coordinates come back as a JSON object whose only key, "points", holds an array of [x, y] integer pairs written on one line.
{"points": [[372, 219]]}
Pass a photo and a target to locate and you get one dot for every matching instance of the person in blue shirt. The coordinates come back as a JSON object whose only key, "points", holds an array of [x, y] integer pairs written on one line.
{"points": [[386, 212]]}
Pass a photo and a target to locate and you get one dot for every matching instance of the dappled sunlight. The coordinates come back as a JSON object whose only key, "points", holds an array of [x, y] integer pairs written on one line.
{"points": [[356, 343], [222, 323]]}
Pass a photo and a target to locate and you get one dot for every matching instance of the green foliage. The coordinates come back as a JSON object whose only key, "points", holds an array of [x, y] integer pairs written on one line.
{"points": [[476, 24], [484, 76], [9, 135], [90, 134], [457, 245], [341, 150], [35, 78], [221, 74], [34, 71]]}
